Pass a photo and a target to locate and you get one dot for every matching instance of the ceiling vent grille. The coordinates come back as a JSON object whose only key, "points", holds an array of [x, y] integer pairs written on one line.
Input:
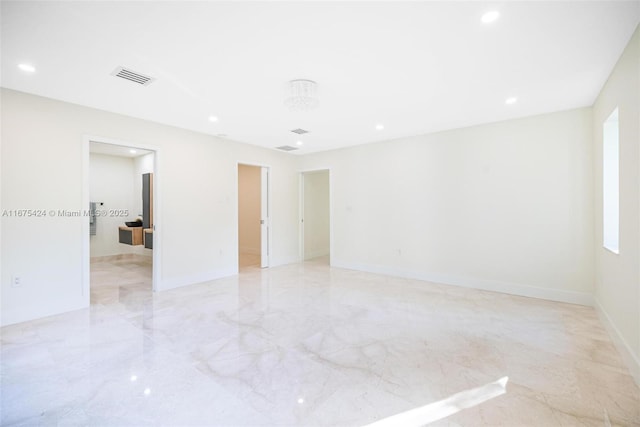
{"points": [[287, 148], [300, 131], [133, 76]]}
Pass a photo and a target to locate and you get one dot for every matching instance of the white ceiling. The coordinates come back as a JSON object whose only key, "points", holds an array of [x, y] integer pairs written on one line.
{"points": [[416, 67]]}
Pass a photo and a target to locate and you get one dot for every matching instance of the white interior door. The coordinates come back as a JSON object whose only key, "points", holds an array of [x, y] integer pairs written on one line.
{"points": [[264, 217]]}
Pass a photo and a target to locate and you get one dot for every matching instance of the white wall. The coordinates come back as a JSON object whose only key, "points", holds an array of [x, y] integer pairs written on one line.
{"points": [[249, 195], [505, 206], [618, 275], [111, 183], [316, 214], [42, 168]]}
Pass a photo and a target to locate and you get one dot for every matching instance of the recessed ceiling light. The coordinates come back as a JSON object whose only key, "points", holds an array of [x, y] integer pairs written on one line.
{"points": [[379, 127], [511, 100], [133, 151], [490, 16], [27, 68], [213, 119], [299, 143]]}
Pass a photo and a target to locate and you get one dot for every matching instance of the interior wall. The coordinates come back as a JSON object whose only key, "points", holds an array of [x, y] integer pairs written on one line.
{"points": [[618, 275], [198, 200], [111, 183], [505, 206], [249, 197], [316, 214]]}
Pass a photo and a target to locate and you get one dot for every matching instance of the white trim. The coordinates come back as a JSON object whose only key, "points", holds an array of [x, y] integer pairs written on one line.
{"points": [[631, 360], [571, 297], [194, 279], [157, 211], [85, 255], [316, 254]]}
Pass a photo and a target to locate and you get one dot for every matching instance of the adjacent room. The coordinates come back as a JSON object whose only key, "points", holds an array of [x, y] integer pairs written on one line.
{"points": [[120, 223], [310, 213]]}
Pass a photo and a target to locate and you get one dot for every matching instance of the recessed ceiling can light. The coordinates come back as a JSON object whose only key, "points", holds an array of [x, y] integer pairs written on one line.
{"points": [[27, 68], [511, 100], [490, 17], [133, 151], [213, 119], [299, 143], [379, 127]]}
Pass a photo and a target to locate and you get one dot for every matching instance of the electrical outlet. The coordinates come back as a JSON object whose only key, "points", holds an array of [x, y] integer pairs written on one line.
{"points": [[16, 281]]}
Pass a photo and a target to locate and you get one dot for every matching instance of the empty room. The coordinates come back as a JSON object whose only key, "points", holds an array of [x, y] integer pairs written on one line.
{"points": [[320, 213]]}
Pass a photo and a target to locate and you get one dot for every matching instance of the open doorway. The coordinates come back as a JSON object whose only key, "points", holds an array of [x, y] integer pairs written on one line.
{"points": [[121, 194], [253, 216], [315, 216]]}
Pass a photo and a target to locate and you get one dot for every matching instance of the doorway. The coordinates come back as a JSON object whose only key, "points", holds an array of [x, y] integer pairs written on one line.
{"points": [[315, 216], [121, 242], [253, 216]]}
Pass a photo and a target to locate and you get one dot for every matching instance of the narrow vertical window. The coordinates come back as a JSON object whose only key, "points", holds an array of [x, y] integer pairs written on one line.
{"points": [[611, 183]]}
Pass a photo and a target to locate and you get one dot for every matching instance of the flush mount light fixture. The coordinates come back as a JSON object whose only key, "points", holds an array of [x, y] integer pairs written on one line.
{"points": [[511, 100], [27, 68], [301, 95], [213, 119], [132, 151], [379, 126], [299, 143], [490, 17]]}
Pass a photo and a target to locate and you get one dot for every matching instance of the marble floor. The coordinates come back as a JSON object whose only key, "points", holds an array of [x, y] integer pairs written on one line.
{"points": [[306, 344]]}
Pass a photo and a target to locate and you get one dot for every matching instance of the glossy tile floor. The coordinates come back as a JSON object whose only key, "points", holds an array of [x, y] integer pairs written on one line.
{"points": [[306, 344]]}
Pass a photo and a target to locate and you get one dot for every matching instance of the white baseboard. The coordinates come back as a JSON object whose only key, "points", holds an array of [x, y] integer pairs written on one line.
{"points": [[631, 360], [17, 315], [316, 254], [277, 262], [572, 297], [178, 282]]}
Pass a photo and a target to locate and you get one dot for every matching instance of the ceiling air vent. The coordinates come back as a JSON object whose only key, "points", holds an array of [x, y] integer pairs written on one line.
{"points": [[287, 148], [300, 131], [132, 76]]}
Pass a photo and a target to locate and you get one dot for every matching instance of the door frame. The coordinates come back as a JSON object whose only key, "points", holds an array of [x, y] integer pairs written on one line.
{"points": [[301, 210], [268, 211], [86, 199]]}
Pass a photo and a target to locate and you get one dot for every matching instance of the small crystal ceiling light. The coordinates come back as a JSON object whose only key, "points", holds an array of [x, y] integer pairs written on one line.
{"points": [[489, 17], [27, 68], [301, 95]]}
